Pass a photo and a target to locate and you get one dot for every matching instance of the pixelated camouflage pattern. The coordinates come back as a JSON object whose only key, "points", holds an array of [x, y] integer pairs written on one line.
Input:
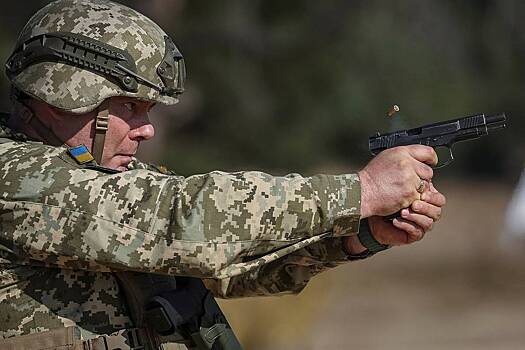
{"points": [[65, 230], [288, 274], [80, 91], [36, 299]]}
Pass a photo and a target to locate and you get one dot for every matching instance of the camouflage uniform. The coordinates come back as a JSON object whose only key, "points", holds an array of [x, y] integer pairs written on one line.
{"points": [[65, 230]]}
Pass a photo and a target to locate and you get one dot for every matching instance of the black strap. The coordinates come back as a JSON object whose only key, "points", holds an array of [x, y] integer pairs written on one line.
{"points": [[368, 241]]}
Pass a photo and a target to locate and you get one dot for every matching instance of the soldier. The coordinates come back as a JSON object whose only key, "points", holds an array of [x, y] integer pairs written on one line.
{"points": [[78, 211]]}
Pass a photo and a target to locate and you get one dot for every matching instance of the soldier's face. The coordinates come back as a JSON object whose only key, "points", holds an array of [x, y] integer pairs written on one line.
{"points": [[128, 126]]}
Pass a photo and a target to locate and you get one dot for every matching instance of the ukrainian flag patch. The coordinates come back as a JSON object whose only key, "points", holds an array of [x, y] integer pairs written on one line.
{"points": [[81, 154]]}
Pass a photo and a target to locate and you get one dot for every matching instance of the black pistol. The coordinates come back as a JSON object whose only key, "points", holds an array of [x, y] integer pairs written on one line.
{"points": [[441, 134]]}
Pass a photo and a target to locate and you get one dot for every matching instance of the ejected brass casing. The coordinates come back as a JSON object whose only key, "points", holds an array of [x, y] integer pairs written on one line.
{"points": [[392, 111]]}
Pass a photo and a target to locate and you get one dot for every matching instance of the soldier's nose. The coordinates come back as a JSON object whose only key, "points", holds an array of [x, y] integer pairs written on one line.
{"points": [[142, 133]]}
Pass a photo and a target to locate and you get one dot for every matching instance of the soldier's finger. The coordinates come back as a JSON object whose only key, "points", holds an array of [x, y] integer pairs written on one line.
{"points": [[434, 198], [424, 154], [413, 231], [424, 171], [424, 221], [427, 209]]}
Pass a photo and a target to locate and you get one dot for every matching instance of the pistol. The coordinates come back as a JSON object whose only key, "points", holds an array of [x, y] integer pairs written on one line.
{"points": [[441, 134]]}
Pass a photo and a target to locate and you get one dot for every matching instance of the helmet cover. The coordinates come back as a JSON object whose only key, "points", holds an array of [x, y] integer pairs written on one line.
{"points": [[74, 54]]}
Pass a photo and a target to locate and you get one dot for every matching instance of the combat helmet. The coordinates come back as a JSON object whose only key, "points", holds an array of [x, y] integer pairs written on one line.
{"points": [[74, 54]]}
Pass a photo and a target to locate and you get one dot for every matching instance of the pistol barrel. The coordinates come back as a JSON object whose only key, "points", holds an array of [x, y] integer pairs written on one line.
{"points": [[496, 121], [438, 134]]}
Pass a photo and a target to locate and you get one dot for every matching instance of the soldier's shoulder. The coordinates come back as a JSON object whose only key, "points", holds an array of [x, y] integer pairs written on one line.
{"points": [[137, 164], [19, 157]]}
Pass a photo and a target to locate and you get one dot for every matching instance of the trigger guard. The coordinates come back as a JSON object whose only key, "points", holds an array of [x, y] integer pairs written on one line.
{"points": [[450, 160]]}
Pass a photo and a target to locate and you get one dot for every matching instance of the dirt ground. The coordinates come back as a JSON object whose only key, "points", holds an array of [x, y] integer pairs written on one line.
{"points": [[456, 289]]}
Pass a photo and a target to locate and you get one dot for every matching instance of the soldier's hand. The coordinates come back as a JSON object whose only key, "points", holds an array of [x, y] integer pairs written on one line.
{"points": [[425, 211], [390, 181], [414, 223]]}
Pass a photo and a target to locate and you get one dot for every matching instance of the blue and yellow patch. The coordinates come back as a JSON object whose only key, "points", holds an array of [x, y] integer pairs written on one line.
{"points": [[80, 154]]}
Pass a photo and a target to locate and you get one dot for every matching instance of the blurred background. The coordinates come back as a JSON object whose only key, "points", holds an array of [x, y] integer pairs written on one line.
{"points": [[298, 86]]}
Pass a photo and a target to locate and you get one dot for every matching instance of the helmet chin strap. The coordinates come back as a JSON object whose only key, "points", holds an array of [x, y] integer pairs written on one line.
{"points": [[101, 127]]}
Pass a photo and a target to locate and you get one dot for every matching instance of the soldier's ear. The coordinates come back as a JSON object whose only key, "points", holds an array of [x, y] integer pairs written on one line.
{"points": [[42, 112], [22, 111]]}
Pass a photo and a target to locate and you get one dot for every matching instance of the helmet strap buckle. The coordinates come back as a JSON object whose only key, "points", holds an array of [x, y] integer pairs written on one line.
{"points": [[101, 127]]}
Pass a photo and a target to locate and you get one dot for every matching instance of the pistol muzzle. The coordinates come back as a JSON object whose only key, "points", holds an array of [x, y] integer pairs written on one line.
{"points": [[496, 121]]}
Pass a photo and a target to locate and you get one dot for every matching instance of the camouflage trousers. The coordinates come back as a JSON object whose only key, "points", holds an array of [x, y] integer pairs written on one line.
{"points": [[68, 338]]}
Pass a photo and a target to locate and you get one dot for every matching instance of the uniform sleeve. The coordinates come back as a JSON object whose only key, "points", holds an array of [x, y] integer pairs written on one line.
{"points": [[216, 225], [286, 275]]}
